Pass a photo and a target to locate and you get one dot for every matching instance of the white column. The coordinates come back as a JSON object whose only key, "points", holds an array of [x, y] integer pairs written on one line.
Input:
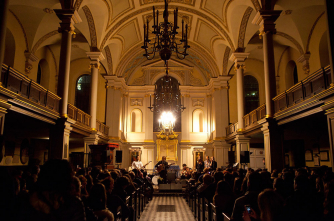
{"points": [[186, 117], [95, 58], [242, 144], [148, 118], [266, 20], [92, 139], [330, 35], [239, 64], [68, 19]]}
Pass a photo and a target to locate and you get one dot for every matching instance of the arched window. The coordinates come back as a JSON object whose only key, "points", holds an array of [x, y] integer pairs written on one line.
{"points": [[198, 120], [82, 93], [291, 74], [251, 93], [136, 120], [39, 74]]}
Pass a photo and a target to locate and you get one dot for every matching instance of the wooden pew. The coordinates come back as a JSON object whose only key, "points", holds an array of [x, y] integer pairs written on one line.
{"points": [[226, 217], [127, 203], [208, 216], [213, 212], [138, 203], [118, 216], [195, 204], [133, 203], [198, 203]]}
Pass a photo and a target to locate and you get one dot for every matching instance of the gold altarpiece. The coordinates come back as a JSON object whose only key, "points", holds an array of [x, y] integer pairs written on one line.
{"points": [[167, 146]]}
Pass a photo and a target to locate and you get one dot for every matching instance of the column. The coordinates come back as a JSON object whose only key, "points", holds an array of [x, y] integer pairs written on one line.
{"points": [[95, 58], [330, 122], [209, 114], [148, 117], [68, 19], [242, 144], [92, 139], [266, 19], [239, 64], [330, 34], [273, 145], [3, 25], [186, 117]]}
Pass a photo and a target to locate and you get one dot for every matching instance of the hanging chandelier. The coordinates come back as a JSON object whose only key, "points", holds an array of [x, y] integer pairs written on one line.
{"points": [[167, 122], [165, 37], [167, 96]]}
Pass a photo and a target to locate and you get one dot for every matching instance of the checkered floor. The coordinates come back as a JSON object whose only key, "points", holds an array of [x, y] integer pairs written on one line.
{"points": [[176, 209]]}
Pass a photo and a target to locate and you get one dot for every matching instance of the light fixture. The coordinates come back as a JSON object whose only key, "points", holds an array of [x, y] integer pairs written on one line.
{"points": [[167, 122], [165, 37]]}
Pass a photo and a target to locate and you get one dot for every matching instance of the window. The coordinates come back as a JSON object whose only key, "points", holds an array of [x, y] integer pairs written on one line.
{"points": [[295, 75], [39, 74], [251, 93], [82, 93], [136, 120], [198, 120]]}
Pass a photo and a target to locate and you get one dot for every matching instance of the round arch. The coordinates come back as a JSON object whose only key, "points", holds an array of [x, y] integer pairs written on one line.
{"points": [[198, 120], [9, 49], [136, 120], [291, 75]]}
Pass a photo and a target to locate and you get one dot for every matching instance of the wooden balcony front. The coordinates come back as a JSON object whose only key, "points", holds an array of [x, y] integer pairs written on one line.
{"points": [[307, 88], [29, 89]]}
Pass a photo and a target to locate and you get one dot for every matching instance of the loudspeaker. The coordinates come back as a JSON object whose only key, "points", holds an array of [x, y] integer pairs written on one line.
{"points": [[244, 156], [119, 154], [231, 157]]}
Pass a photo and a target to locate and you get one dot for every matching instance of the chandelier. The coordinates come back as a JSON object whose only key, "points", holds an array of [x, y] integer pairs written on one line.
{"points": [[166, 122], [167, 96], [165, 37]]}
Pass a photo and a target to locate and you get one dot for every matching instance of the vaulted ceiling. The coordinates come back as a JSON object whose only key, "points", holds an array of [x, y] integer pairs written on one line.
{"points": [[216, 27]]}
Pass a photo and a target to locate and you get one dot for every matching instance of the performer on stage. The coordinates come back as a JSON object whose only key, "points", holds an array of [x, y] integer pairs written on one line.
{"points": [[199, 165], [137, 164], [207, 162], [162, 165], [213, 164]]}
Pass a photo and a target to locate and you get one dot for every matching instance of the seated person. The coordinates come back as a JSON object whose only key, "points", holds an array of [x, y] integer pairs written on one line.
{"points": [[185, 173]]}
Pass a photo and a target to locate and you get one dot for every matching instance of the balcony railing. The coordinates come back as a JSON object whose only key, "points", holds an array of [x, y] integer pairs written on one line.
{"points": [[84, 118], [27, 88], [249, 119], [312, 85]]}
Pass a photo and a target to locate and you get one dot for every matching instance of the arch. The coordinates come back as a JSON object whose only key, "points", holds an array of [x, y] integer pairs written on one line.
{"points": [[323, 50], [291, 76], [43, 74], [198, 120], [163, 73], [252, 95], [136, 120], [82, 92], [9, 49]]}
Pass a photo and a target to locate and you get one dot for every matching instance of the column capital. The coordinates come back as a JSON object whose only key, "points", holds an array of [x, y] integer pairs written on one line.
{"points": [[68, 18], [30, 57], [95, 56], [266, 19], [239, 59]]}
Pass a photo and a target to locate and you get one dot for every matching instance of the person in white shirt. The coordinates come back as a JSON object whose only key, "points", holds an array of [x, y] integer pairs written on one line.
{"points": [[137, 164]]}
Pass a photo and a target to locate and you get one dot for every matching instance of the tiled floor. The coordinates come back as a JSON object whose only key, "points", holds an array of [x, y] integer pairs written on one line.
{"points": [[182, 210]]}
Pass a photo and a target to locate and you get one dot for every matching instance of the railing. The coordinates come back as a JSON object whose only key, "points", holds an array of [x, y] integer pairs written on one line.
{"points": [[232, 128], [254, 116], [312, 85], [102, 127], [25, 87], [78, 115]]}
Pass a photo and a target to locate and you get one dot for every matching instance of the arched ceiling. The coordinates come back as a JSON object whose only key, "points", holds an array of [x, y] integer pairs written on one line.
{"points": [[216, 28]]}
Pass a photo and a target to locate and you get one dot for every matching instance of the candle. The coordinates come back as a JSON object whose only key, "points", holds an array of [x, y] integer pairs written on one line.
{"points": [[144, 35], [147, 30], [154, 17], [158, 28], [182, 29], [150, 100]]}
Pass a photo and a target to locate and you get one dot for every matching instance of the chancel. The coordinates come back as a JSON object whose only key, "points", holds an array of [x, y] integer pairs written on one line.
{"points": [[198, 109]]}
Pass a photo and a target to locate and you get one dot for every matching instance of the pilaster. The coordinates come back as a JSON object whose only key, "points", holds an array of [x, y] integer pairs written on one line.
{"points": [[92, 139], [3, 26], [242, 144], [330, 123], [330, 34], [220, 152]]}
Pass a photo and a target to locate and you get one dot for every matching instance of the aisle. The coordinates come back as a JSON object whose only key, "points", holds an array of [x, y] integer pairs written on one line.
{"points": [[167, 208]]}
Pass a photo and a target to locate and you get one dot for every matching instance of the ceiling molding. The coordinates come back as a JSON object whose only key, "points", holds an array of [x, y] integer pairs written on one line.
{"points": [[91, 25], [22, 28], [294, 41], [311, 32], [42, 39], [109, 60], [225, 61], [243, 27]]}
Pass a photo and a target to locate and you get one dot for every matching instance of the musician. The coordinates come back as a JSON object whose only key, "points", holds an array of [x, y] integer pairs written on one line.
{"points": [[213, 164], [207, 162], [163, 172], [137, 164], [185, 174], [199, 165]]}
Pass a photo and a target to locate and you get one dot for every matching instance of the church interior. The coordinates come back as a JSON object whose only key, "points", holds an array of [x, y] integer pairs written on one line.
{"points": [[247, 82]]}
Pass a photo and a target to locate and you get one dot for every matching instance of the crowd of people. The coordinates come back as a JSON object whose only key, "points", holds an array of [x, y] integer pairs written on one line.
{"points": [[56, 192], [290, 194]]}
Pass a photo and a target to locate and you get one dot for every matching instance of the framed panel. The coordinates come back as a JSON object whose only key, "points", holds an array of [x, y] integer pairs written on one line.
{"points": [[308, 155], [324, 155]]}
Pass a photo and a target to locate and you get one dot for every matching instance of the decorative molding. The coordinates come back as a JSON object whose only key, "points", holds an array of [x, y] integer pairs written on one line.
{"points": [[243, 26], [304, 59], [187, 2], [139, 81], [48, 10], [91, 26], [294, 41], [171, 7], [225, 60], [311, 32], [287, 12], [257, 5], [109, 60], [194, 81], [22, 28], [42, 39], [198, 102], [77, 5], [30, 57], [136, 101]]}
